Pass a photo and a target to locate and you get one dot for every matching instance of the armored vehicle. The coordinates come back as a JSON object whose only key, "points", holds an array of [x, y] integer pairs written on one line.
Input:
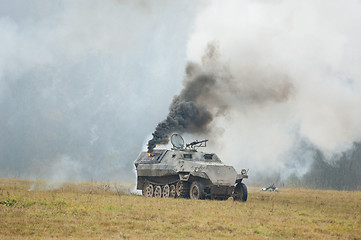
{"points": [[184, 172]]}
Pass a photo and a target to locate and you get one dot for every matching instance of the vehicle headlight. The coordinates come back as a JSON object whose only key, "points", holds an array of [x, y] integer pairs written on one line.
{"points": [[244, 172]]}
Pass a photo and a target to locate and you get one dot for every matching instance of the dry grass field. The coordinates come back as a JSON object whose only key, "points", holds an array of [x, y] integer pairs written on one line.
{"points": [[92, 210]]}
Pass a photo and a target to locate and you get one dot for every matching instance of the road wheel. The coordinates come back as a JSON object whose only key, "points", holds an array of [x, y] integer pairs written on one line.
{"points": [[240, 192], [182, 189], [197, 190], [166, 191], [158, 191], [148, 190], [172, 191]]}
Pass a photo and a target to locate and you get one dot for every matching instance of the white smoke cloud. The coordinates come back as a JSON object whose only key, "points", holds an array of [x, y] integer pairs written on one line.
{"points": [[314, 46]]}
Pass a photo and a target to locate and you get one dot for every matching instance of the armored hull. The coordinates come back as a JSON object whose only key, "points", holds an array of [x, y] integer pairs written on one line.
{"points": [[188, 173]]}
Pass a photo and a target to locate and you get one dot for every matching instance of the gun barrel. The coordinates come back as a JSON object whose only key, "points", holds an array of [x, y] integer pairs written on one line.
{"points": [[196, 142]]}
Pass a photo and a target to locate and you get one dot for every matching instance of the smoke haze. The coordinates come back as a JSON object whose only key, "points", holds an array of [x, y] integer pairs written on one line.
{"points": [[81, 84], [270, 84]]}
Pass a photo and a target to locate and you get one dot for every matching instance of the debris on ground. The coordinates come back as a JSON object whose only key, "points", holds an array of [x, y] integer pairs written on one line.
{"points": [[271, 188]]}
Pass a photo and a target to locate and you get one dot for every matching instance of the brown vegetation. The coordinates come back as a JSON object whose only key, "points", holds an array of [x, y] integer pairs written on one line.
{"points": [[89, 210]]}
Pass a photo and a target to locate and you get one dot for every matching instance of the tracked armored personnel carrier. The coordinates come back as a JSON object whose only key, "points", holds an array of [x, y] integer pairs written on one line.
{"points": [[184, 172]]}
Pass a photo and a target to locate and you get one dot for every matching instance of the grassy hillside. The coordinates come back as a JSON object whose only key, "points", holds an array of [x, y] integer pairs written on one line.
{"points": [[92, 210]]}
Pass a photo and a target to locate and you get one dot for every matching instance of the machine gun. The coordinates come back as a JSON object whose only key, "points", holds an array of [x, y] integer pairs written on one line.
{"points": [[197, 144]]}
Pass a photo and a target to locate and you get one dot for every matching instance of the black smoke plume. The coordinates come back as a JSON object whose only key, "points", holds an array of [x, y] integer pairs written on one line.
{"points": [[187, 112], [210, 91]]}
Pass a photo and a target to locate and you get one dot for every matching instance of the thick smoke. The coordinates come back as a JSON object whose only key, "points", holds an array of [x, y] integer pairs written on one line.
{"points": [[284, 83], [82, 83], [187, 113], [296, 80], [209, 91]]}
